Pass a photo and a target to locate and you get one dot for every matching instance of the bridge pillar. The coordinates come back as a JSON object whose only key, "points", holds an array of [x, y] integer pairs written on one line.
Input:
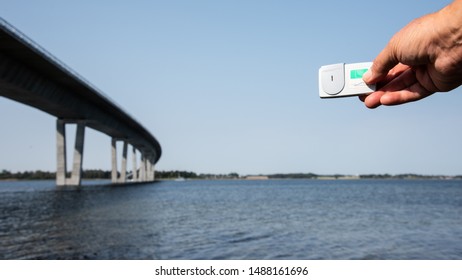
{"points": [[143, 168], [145, 172], [115, 178], [134, 166], [61, 153], [76, 175], [123, 172], [153, 171], [114, 161], [150, 170]]}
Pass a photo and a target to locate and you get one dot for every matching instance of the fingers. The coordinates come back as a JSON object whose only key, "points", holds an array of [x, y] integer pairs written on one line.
{"points": [[411, 94], [373, 100], [393, 73], [382, 64], [403, 88]]}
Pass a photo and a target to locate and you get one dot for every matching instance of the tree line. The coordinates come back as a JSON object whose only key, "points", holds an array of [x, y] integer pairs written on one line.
{"points": [[104, 174], [174, 174], [47, 175]]}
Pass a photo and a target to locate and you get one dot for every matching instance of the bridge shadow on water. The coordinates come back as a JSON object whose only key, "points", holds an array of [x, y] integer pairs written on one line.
{"points": [[87, 185]]}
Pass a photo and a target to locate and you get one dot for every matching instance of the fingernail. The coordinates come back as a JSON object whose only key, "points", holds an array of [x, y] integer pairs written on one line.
{"points": [[367, 76]]}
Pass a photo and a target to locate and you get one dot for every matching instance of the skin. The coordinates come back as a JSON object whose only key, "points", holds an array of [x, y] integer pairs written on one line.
{"points": [[422, 58]]}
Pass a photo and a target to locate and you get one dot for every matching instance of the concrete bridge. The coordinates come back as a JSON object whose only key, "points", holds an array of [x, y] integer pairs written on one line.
{"points": [[31, 75]]}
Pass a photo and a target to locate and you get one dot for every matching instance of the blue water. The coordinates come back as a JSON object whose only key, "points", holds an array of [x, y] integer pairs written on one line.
{"points": [[275, 219]]}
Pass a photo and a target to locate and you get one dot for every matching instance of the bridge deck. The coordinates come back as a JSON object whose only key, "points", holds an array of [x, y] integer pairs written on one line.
{"points": [[30, 75]]}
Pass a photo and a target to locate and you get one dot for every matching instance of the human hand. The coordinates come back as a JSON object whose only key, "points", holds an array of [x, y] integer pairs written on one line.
{"points": [[423, 58]]}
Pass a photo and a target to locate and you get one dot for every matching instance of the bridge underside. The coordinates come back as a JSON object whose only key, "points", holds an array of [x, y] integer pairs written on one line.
{"points": [[31, 76]]}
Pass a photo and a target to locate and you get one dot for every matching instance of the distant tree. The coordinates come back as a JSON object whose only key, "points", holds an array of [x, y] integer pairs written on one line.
{"points": [[5, 174], [96, 174], [233, 175]]}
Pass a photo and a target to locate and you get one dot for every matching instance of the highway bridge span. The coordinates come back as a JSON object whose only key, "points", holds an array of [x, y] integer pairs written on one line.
{"points": [[32, 76]]}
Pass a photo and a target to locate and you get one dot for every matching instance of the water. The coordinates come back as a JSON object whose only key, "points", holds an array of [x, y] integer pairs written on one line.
{"points": [[275, 219]]}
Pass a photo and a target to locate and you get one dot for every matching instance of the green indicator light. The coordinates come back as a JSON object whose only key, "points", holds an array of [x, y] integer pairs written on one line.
{"points": [[357, 73]]}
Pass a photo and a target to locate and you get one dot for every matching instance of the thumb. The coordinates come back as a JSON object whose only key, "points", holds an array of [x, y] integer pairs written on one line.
{"points": [[385, 61]]}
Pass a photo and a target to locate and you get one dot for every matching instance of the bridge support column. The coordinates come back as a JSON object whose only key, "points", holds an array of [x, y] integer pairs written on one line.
{"points": [[134, 166], [61, 153], [150, 171], [153, 172], [123, 173], [143, 168], [76, 176], [145, 172]]}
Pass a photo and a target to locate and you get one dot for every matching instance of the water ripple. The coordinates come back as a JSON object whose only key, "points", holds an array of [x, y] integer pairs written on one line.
{"points": [[280, 219]]}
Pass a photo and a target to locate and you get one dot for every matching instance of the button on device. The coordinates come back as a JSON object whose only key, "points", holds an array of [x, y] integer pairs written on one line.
{"points": [[332, 78], [344, 79]]}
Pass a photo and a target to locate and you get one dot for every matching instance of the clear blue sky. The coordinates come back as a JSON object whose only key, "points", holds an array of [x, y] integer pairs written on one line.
{"points": [[231, 86]]}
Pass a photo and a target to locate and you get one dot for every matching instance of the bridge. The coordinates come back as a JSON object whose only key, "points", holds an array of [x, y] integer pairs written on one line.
{"points": [[32, 76]]}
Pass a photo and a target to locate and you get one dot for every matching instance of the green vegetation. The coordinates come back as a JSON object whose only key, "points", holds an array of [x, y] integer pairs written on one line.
{"points": [[407, 176], [26, 175], [46, 175], [162, 175], [293, 176], [170, 175]]}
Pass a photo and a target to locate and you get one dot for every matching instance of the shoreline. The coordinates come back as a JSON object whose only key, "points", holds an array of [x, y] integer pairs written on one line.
{"points": [[244, 179]]}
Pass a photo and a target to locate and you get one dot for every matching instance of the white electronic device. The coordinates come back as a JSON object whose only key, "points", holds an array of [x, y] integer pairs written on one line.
{"points": [[344, 79]]}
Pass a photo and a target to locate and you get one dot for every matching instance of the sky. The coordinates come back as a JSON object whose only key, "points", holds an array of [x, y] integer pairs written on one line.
{"points": [[231, 86]]}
